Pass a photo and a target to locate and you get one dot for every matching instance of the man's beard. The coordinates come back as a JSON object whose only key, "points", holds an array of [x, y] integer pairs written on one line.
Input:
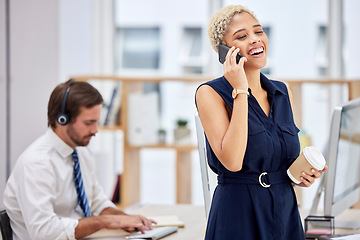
{"points": [[76, 138]]}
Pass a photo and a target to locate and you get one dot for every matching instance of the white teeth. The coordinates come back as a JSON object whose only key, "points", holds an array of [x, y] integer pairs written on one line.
{"points": [[258, 50]]}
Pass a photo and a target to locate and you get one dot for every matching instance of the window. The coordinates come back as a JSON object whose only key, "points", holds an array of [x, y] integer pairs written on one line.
{"points": [[321, 51], [137, 48], [267, 68], [190, 52]]}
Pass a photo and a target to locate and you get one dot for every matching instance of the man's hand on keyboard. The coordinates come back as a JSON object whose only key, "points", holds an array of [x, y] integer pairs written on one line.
{"points": [[130, 222]]}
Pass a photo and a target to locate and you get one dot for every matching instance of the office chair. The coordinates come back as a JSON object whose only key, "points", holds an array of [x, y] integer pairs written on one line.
{"points": [[208, 177], [6, 231]]}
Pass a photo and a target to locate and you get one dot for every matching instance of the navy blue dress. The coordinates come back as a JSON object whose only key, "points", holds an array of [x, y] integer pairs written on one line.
{"points": [[244, 206]]}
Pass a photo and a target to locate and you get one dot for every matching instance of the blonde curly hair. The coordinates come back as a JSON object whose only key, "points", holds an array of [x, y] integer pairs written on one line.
{"points": [[221, 20]]}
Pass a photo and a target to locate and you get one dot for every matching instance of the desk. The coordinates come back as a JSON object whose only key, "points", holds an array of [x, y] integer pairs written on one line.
{"points": [[192, 216], [195, 223], [349, 214]]}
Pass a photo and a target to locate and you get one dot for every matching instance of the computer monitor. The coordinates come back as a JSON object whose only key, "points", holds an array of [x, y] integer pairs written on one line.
{"points": [[342, 179]]}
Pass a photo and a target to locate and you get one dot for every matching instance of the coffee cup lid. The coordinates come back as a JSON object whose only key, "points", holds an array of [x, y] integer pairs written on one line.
{"points": [[315, 158]]}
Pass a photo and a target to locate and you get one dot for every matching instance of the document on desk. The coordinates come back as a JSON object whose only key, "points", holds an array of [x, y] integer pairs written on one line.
{"points": [[349, 237], [167, 220]]}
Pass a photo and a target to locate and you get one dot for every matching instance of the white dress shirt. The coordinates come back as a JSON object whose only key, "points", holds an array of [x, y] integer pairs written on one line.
{"points": [[40, 195]]}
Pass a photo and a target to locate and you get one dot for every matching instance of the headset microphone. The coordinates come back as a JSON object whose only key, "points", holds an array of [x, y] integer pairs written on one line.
{"points": [[63, 118]]}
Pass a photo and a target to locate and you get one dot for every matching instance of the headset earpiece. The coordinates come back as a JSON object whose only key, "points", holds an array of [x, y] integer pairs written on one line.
{"points": [[62, 117]]}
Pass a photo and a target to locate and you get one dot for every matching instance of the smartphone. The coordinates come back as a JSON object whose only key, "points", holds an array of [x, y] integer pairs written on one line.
{"points": [[223, 51]]}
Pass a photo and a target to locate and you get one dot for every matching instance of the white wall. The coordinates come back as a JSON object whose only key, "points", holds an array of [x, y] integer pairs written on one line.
{"points": [[351, 41], [33, 71], [74, 38], [2, 100], [34, 60], [49, 41]]}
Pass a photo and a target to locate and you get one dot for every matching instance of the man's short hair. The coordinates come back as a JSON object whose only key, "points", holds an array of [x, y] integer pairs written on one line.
{"points": [[81, 94]]}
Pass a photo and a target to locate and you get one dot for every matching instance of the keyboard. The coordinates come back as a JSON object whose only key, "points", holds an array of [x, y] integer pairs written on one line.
{"points": [[156, 233]]}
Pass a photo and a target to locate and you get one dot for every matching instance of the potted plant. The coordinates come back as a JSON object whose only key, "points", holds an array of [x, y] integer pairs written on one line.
{"points": [[162, 136], [181, 132]]}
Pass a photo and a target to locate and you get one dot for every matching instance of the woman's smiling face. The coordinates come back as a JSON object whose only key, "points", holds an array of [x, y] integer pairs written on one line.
{"points": [[245, 32]]}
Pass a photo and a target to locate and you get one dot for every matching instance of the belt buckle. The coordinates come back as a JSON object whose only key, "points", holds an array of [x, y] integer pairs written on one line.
{"points": [[264, 185]]}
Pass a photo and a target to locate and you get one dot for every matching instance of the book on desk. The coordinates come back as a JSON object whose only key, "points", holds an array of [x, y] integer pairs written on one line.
{"points": [[167, 220]]}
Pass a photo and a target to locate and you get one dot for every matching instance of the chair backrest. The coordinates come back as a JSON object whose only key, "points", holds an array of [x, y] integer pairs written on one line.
{"points": [[208, 177], [6, 231]]}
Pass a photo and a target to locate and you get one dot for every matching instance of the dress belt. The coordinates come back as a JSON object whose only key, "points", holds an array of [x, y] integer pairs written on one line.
{"points": [[264, 179]]}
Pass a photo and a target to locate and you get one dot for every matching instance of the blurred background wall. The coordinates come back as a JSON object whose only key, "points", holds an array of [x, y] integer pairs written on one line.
{"points": [[43, 43]]}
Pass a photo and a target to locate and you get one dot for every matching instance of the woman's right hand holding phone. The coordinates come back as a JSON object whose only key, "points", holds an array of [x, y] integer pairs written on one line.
{"points": [[234, 72]]}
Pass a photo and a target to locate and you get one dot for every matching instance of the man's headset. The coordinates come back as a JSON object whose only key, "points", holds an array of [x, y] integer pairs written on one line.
{"points": [[62, 117]]}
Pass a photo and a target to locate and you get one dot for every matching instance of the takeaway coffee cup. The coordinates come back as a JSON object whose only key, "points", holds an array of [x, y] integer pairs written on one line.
{"points": [[308, 159]]}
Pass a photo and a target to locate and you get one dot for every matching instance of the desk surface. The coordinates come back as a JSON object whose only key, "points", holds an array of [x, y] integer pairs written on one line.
{"points": [[347, 215], [192, 216], [195, 223]]}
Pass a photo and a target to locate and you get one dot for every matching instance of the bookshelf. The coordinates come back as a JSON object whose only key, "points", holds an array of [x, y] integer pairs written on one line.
{"points": [[130, 178]]}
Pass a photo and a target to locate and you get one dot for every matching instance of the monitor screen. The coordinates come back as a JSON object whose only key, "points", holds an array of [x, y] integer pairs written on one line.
{"points": [[342, 181], [348, 154]]}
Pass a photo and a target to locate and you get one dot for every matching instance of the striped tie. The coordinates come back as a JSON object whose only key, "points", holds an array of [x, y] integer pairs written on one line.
{"points": [[82, 199]]}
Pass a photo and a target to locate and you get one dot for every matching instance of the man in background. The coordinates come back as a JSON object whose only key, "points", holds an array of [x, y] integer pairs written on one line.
{"points": [[52, 192]]}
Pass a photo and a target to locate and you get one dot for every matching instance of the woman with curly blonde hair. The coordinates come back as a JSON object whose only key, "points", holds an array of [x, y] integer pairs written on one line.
{"points": [[251, 138]]}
